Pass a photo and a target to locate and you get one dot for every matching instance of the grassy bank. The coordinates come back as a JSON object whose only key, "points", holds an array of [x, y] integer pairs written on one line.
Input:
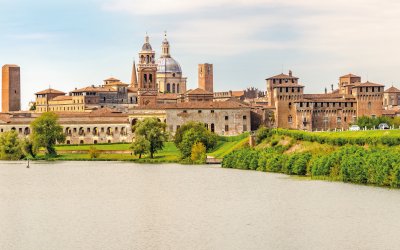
{"points": [[319, 156], [169, 153]]}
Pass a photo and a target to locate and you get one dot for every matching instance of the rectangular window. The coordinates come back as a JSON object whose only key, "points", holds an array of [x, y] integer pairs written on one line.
{"points": [[226, 118], [185, 111], [244, 117], [212, 111], [199, 111], [226, 128]]}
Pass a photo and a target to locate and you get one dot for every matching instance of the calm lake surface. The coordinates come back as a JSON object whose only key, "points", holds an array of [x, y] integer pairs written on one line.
{"points": [[111, 205]]}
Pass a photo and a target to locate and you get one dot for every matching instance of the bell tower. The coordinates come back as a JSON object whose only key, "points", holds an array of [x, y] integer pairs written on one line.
{"points": [[147, 75]]}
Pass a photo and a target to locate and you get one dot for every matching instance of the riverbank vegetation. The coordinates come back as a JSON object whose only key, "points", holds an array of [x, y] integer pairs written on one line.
{"points": [[363, 157]]}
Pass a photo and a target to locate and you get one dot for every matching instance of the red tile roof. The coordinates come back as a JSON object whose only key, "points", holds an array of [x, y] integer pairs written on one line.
{"points": [[282, 76], [50, 91], [348, 75], [392, 90]]}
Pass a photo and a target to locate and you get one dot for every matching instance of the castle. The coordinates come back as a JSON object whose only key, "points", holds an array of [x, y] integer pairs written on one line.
{"points": [[157, 88]]}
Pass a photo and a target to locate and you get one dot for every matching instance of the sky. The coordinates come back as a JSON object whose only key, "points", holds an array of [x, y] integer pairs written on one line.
{"points": [[67, 44]]}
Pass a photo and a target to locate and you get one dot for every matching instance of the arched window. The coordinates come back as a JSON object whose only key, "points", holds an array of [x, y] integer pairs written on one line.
{"points": [[177, 88], [168, 88], [212, 127], [173, 88], [290, 105]]}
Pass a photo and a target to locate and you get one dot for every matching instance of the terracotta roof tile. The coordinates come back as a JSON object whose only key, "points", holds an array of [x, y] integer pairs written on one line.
{"points": [[50, 91], [392, 90], [367, 84], [207, 105], [349, 75], [61, 98], [198, 91], [282, 76]]}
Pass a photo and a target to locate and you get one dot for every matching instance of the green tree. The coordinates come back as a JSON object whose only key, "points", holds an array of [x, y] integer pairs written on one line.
{"points": [[29, 147], [46, 132], [152, 130], [198, 154], [10, 146], [140, 146], [191, 133]]}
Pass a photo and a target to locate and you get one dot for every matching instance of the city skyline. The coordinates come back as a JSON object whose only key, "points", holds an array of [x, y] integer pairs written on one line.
{"points": [[76, 44]]}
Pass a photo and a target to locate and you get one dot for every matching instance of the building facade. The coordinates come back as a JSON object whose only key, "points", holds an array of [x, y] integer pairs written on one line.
{"points": [[223, 118]]}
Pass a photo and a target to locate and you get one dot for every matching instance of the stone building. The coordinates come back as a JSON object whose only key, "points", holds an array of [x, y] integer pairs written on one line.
{"points": [[169, 72], [11, 88], [337, 110], [223, 118], [100, 126]]}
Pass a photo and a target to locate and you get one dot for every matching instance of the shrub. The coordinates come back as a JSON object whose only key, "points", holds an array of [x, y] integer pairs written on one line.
{"points": [[10, 146], [262, 133], [93, 152], [198, 154]]}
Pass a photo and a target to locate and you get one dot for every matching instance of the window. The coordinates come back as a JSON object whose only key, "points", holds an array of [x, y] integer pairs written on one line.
{"points": [[290, 105], [369, 105], [185, 111], [199, 111], [212, 127], [244, 117], [226, 118], [339, 119], [226, 128], [290, 119]]}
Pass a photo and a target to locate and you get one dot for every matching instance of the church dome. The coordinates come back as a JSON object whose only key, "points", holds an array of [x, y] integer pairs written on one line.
{"points": [[168, 65], [146, 46]]}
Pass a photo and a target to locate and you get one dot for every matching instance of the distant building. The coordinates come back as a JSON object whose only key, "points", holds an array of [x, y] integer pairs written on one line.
{"points": [[223, 118], [11, 88], [337, 110], [206, 77]]}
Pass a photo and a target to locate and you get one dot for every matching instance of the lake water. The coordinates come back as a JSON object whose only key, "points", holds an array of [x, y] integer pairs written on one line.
{"points": [[109, 205]]}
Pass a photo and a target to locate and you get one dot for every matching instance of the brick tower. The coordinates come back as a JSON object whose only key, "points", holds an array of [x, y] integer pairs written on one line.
{"points": [[206, 77], [147, 75], [11, 88]]}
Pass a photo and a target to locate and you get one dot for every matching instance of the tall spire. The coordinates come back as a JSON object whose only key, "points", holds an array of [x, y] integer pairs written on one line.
{"points": [[165, 46], [134, 76]]}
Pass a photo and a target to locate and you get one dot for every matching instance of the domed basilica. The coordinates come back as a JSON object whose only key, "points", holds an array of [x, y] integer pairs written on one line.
{"points": [[169, 72]]}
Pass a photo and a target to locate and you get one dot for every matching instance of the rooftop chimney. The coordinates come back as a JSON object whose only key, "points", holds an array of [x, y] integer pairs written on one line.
{"points": [[326, 90], [290, 73]]}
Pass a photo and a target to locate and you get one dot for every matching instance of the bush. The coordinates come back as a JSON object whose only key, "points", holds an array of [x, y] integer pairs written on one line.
{"points": [[262, 133], [191, 133], [93, 152], [10, 146], [198, 154]]}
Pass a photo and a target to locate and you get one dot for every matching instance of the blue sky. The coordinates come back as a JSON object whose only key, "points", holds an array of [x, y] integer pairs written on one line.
{"points": [[67, 44]]}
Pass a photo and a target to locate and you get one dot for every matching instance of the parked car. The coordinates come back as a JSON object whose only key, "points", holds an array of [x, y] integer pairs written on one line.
{"points": [[354, 128], [383, 126]]}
